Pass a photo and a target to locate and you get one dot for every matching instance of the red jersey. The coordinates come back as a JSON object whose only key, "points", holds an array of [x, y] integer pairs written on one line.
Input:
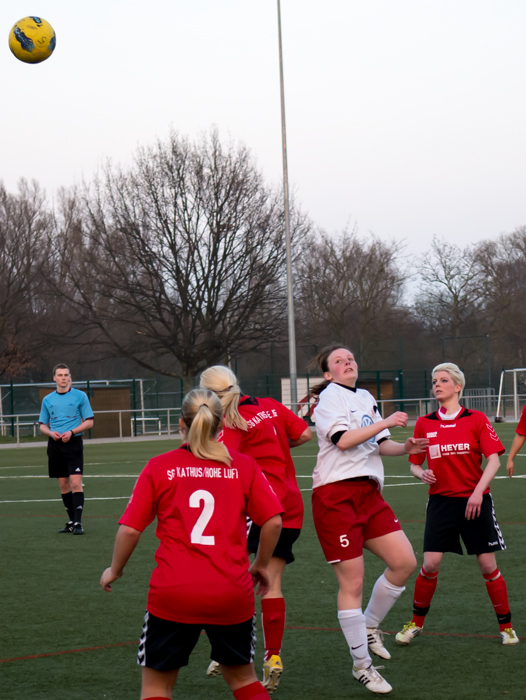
{"points": [[521, 428], [270, 426], [201, 505], [455, 450]]}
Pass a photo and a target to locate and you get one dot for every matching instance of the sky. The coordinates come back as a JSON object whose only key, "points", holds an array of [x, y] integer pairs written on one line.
{"points": [[405, 118]]}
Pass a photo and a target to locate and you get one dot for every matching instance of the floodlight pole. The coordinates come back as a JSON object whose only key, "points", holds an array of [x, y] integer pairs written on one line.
{"points": [[290, 295]]}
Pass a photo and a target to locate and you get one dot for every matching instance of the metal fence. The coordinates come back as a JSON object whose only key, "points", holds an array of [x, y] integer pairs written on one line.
{"points": [[136, 423]]}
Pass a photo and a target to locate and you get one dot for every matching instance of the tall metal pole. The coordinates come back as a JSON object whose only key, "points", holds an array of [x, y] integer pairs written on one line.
{"points": [[290, 296]]}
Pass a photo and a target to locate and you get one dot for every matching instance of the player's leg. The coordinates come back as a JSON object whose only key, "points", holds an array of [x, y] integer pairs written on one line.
{"points": [[273, 623], [58, 469], [395, 550], [243, 683], [157, 684], [75, 457], [164, 648], [480, 535], [234, 646]]}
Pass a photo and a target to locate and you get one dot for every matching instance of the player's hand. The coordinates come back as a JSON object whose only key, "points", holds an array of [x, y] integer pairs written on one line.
{"points": [[66, 437], [428, 476], [55, 435], [473, 506], [107, 578], [397, 420], [510, 469], [260, 578], [415, 446]]}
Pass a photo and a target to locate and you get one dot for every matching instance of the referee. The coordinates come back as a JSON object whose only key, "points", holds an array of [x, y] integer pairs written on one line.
{"points": [[65, 413]]}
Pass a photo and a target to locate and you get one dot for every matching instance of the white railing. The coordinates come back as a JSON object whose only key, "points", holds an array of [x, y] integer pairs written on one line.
{"points": [[165, 421]]}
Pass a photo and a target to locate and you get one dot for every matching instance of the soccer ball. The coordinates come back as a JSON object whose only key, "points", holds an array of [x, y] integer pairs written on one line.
{"points": [[32, 40]]}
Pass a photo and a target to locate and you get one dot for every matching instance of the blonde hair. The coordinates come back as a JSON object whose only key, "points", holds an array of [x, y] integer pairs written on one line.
{"points": [[454, 371], [223, 382], [202, 413]]}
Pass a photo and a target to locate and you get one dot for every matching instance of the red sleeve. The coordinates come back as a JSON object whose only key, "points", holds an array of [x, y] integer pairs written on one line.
{"points": [[232, 438], [142, 507], [293, 425], [418, 433], [262, 502], [521, 428], [488, 438]]}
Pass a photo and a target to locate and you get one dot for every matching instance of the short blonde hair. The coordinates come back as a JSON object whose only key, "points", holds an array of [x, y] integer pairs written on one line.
{"points": [[202, 413], [223, 382], [454, 371]]}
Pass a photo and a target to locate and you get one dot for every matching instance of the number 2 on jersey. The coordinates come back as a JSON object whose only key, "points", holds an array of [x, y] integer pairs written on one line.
{"points": [[206, 497]]}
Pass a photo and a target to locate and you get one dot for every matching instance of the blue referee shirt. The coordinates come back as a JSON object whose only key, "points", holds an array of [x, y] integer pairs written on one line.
{"points": [[63, 412]]}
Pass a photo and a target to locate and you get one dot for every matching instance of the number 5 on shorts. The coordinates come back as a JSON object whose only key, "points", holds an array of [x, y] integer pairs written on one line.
{"points": [[344, 541]]}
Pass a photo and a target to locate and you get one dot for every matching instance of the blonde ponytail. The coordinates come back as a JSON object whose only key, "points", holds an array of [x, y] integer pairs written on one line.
{"points": [[202, 413], [223, 382]]}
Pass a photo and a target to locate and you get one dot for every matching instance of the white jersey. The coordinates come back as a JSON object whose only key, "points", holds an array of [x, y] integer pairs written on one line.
{"points": [[342, 408]]}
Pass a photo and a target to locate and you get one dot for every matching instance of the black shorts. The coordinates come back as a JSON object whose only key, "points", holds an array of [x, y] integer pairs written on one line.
{"points": [[283, 549], [446, 523], [166, 645], [65, 458]]}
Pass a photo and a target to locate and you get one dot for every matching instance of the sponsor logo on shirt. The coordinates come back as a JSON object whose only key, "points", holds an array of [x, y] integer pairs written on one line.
{"points": [[460, 448], [366, 421], [200, 472], [430, 435]]}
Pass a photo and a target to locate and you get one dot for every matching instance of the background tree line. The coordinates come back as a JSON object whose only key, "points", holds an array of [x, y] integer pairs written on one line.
{"points": [[178, 261]]}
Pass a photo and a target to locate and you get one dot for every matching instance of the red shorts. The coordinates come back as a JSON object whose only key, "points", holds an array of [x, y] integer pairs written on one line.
{"points": [[347, 514]]}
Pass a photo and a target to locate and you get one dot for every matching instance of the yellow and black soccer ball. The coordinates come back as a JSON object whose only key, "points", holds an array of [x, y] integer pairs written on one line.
{"points": [[32, 40]]}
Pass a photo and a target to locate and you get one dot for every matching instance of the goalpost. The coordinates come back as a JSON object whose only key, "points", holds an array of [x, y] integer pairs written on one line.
{"points": [[512, 394]]}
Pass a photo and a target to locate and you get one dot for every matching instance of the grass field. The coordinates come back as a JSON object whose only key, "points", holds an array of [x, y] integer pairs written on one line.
{"points": [[63, 638]]}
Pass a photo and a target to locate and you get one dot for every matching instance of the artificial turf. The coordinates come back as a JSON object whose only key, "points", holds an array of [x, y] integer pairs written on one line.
{"points": [[83, 639]]}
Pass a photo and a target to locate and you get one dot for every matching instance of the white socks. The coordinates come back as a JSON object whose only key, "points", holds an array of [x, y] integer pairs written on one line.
{"points": [[353, 626], [382, 599]]}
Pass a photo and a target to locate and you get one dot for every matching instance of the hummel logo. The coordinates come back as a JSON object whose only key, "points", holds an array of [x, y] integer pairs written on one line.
{"points": [[492, 544]]}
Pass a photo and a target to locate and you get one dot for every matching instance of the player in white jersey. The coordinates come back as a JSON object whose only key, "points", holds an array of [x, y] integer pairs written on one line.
{"points": [[349, 511]]}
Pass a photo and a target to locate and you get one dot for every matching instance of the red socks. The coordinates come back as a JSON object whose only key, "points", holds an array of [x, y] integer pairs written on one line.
{"points": [[425, 587], [254, 691], [273, 619], [498, 594]]}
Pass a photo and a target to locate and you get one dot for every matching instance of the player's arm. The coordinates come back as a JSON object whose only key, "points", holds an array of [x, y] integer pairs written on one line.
{"points": [[46, 430], [303, 438], [125, 543], [412, 446], [475, 500], [268, 539], [518, 442], [356, 436], [85, 425]]}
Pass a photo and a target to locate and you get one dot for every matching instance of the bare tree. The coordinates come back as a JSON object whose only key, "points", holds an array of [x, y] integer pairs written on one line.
{"points": [[449, 294], [350, 289], [24, 224], [178, 262]]}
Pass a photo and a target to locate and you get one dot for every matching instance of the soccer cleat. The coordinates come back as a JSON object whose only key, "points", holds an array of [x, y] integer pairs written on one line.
{"points": [[272, 670], [509, 636], [375, 640], [68, 527], [78, 529], [371, 679], [408, 633], [213, 670]]}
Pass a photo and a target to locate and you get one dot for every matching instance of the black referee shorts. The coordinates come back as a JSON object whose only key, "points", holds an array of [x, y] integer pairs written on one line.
{"points": [[283, 549], [446, 524], [65, 458], [167, 645]]}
